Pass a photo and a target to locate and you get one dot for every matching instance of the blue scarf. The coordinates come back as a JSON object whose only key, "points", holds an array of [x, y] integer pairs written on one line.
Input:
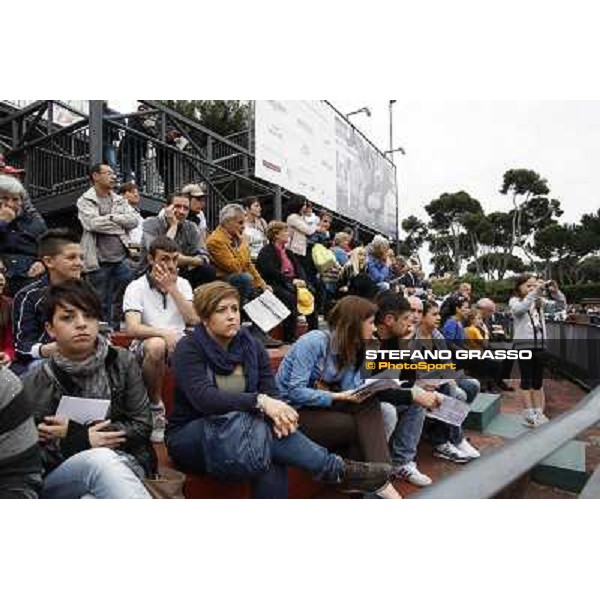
{"points": [[241, 351]]}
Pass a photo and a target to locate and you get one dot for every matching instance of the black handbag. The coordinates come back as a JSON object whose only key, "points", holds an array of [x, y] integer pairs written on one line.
{"points": [[236, 446]]}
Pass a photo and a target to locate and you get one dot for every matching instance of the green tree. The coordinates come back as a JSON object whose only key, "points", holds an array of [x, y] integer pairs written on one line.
{"points": [[448, 235], [532, 210], [224, 117], [416, 235]]}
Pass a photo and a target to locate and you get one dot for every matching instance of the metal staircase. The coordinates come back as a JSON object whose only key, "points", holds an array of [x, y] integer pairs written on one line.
{"points": [[57, 153]]}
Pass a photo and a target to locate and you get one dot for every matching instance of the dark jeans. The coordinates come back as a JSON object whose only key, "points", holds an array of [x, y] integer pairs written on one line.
{"points": [[199, 275], [109, 281], [357, 430], [243, 283], [289, 297], [296, 450], [438, 432]]}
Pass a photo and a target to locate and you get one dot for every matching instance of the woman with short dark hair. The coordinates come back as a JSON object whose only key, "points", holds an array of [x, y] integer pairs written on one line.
{"points": [[106, 459]]}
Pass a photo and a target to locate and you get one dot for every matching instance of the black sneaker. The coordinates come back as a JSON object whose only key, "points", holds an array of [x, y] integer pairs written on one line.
{"points": [[365, 477]]}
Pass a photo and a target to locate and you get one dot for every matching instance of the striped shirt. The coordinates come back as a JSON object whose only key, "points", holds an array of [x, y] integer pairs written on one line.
{"points": [[20, 463]]}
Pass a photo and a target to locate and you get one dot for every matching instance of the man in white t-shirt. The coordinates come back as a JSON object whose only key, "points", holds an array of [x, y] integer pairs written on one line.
{"points": [[158, 308]]}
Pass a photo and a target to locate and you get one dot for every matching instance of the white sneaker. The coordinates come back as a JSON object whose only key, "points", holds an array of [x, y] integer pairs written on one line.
{"points": [[450, 452], [542, 418], [530, 419], [411, 473], [468, 449], [159, 423]]}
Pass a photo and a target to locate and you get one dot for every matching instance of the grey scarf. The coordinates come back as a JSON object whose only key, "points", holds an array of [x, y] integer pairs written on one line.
{"points": [[89, 375]]}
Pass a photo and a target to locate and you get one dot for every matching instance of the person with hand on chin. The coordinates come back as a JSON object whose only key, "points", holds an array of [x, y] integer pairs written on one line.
{"points": [[158, 308], [193, 262], [100, 460], [19, 230], [222, 370]]}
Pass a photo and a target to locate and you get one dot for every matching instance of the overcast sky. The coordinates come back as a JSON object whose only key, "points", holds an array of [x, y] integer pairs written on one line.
{"points": [[460, 145]]}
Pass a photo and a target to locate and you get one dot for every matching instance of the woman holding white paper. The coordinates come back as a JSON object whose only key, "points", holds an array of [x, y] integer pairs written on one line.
{"points": [[280, 269], [102, 460], [318, 377]]}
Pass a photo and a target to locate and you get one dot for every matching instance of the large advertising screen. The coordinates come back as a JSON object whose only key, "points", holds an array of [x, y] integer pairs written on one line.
{"points": [[306, 147]]}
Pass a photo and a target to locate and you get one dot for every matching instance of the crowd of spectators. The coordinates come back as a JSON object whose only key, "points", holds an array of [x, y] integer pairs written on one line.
{"points": [[178, 291]]}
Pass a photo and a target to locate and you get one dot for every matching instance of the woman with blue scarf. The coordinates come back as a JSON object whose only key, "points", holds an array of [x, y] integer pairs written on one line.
{"points": [[227, 420]]}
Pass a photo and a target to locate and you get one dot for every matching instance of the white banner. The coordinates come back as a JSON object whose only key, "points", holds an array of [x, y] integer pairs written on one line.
{"points": [[306, 148], [295, 147]]}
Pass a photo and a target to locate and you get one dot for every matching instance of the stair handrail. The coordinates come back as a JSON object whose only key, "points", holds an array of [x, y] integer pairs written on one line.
{"points": [[492, 473], [190, 157]]}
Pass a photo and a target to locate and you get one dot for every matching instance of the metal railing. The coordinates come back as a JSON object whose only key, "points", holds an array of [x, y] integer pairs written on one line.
{"points": [[574, 349], [489, 475], [57, 158]]}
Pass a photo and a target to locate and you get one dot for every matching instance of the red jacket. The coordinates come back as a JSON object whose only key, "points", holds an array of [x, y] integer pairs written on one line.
{"points": [[6, 338]]}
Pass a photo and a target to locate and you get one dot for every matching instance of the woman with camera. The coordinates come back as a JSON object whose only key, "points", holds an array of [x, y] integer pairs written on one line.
{"points": [[529, 333]]}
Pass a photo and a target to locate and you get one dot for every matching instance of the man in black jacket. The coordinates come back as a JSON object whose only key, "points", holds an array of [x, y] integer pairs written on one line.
{"points": [[19, 230]]}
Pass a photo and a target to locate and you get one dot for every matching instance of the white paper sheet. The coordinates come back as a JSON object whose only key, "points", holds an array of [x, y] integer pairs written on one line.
{"points": [[267, 311], [451, 411], [83, 410]]}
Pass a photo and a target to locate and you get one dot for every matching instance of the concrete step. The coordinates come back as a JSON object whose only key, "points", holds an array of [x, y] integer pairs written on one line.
{"points": [[565, 469], [591, 491], [484, 409], [507, 425]]}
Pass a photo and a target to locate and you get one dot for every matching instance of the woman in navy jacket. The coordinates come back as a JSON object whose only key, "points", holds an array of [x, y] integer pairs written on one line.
{"points": [[221, 368]]}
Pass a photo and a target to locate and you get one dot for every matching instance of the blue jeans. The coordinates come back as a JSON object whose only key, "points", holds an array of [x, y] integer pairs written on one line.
{"points": [[109, 281], [243, 283], [97, 473], [390, 419], [407, 434], [466, 390], [296, 450]]}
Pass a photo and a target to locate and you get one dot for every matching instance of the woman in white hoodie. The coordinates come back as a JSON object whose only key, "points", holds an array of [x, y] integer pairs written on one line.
{"points": [[529, 333]]}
